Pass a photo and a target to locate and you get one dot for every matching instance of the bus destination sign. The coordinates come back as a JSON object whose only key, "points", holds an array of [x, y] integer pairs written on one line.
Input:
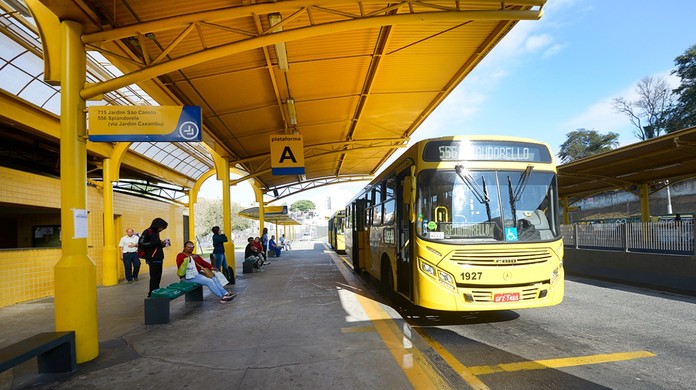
{"points": [[484, 150]]}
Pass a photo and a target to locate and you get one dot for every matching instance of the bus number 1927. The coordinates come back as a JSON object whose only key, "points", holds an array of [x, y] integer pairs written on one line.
{"points": [[471, 275]]}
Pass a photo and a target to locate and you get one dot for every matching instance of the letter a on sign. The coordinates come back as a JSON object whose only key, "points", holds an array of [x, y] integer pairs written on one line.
{"points": [[287, 155]]}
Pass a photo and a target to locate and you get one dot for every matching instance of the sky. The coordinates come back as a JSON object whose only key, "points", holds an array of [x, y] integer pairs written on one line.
{"points": [[549, 77]]}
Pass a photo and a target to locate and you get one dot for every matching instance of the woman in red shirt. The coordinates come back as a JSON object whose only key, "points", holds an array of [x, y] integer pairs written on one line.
{"points": [[196, 276]]}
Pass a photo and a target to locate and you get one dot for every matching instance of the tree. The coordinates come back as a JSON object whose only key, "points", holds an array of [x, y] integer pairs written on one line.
{"points": [[209, 214], [650, 113], [584, 143], [303, 205], [684, 112]]}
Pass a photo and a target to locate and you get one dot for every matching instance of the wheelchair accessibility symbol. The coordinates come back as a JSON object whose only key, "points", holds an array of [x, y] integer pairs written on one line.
{"points": [[510, 234]]}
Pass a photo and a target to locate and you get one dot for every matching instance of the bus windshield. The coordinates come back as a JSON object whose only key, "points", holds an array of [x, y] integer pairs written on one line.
{"points": [[475, 206]]}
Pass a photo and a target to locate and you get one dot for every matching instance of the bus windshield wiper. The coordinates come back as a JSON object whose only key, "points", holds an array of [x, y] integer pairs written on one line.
{"points": [[486, 197], [517, 192], [481, 195]]}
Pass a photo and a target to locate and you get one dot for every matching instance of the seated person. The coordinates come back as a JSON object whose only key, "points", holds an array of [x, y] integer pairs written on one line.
{"points": [[193, 273], [285, 243], [252, 252], [259, 248], [273, 247]]}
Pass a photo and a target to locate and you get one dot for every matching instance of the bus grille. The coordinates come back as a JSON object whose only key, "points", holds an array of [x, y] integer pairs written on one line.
{"points": [[484, 296], [501, 258]]}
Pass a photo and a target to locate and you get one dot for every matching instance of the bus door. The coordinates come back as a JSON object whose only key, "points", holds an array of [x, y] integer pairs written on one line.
{"points": [[358, 234], [404, 261]]}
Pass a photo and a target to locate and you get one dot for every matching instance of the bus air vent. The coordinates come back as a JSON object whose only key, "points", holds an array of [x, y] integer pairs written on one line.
{"points": [[501, 258]]}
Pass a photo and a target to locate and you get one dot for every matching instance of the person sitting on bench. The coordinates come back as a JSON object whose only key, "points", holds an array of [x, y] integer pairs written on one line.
{"points": [[252, 252], [273, 246], [196, 264]]}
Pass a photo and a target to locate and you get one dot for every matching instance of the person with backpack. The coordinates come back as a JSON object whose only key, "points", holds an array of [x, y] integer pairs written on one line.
{"points": [[152, 247]]}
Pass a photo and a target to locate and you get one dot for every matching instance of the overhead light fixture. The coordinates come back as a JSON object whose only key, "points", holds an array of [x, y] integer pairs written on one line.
{"points": [[281, 52], [292, 111]]}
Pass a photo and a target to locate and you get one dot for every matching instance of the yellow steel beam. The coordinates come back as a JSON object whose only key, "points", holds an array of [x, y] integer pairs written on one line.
{"points": [[300, 33], [248, 11], [310, 158], [45, 124], [48, 25]]}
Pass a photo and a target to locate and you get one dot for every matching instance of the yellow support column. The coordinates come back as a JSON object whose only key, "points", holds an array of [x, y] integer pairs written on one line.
{"points": [[259, 199], [226, 211], [75, 274], [564, 204], [109, 252]]}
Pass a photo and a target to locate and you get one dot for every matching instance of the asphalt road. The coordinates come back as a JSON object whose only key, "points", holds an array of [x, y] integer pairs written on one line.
{"points": [[603, 336]]}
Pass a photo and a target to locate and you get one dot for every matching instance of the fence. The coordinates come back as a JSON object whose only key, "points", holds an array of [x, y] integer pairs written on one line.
{"points": [[652, 237]]}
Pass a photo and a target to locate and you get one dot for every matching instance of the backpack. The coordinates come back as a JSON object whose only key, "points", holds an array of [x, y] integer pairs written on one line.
{"points": [[144, 244]]}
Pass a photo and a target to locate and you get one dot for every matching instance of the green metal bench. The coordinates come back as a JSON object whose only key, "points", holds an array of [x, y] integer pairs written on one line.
{"points": [[55, 352], [157, 305]]}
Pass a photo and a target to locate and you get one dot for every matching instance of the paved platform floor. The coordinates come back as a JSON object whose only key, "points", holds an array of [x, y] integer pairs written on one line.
{"points": [[306, 322]]}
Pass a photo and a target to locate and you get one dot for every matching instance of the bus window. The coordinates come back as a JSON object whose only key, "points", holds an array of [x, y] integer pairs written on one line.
{"points": [[486, 206]]}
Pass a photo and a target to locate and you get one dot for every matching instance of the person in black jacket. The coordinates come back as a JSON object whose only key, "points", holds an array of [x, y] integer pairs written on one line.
{"points": [[153, 246]]}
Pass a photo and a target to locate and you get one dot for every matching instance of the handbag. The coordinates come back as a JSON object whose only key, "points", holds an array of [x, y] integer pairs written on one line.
{"points": [[220, 278], [181, 272], [207, 272]]}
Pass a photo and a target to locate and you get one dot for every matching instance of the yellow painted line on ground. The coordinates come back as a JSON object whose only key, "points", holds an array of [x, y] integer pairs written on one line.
{"points": [[470, 374], [559, 363], [466, 374], [415, 366]]}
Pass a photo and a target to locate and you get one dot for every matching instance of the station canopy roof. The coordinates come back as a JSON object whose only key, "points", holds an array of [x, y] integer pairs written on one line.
{"points": [[274, 214], [671, 157], [354, 78]]}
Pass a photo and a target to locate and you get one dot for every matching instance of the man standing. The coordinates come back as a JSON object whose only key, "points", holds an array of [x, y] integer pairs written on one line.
{"points": [[128, 248], [218, 249]]}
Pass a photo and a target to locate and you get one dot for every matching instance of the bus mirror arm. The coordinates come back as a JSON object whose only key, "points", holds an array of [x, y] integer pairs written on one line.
{"points": [[409, 193]]}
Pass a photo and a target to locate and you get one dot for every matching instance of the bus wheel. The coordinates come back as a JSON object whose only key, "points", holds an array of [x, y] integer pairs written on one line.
{"points": [[388, 283]]}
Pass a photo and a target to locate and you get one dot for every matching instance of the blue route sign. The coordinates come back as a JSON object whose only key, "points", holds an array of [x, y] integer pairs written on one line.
{"points": [[145, 124]]}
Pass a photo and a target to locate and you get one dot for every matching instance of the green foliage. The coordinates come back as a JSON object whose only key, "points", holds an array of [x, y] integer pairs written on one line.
{"points": [[583, 143], [209, 213], [684, 113], [303, 205]]}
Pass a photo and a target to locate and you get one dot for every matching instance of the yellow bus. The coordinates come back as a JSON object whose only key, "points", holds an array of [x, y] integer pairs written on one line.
{"points": [[337, 238], [462, 223]]}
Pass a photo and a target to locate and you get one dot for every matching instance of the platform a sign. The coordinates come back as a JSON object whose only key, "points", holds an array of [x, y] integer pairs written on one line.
{"points": [[144, 123], [287, 155]]}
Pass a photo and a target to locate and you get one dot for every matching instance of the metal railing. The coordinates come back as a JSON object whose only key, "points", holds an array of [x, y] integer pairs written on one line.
{"points": [[651, 237]]}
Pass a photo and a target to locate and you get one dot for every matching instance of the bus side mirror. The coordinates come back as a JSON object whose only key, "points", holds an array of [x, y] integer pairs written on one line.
{"points": [[410, 195]]}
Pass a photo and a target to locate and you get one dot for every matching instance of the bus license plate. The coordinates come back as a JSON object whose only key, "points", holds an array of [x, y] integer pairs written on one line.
{"points": [[507, 297]]}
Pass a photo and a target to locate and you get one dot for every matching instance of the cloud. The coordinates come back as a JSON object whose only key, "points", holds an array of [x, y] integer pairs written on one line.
{"points": [[552, 51], [535, 43]]}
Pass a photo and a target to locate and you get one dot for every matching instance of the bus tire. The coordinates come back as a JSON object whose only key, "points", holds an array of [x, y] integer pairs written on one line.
{"points": [[388, 281]]}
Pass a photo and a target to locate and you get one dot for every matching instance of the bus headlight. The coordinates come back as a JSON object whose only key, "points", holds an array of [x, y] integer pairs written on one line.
{"points": [[427, 268], [554, 276], [446, 278], [441, 276]]}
